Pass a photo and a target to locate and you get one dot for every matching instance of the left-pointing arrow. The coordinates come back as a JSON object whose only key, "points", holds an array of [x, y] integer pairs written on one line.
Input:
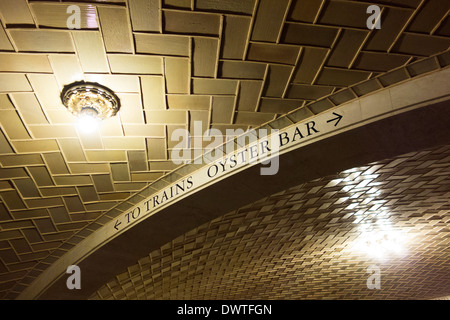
{"points": [[118, 223], [337, 118]]}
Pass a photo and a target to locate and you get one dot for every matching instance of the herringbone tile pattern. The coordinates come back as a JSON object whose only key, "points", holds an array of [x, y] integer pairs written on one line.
{"points": [[300, 243], [229, 64]]}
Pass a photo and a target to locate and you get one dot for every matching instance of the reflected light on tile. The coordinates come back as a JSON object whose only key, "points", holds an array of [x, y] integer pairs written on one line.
{"points": [[382, 243]]}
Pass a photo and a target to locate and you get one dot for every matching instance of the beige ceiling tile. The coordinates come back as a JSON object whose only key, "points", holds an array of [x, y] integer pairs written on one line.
{"points": [[124, 143], [146, 177], [135, 64], [214, 86], [373, 61], [13, 173], [129, 186], [74, 204], [277, 80], [24, 62], [5, 147], [47, 90], [72, 180], [118, 82], [253, 118], [88, 194], [12, 200], [58, 191], [5, 215], [191, 23], [432, 11], [85, 168], [131, 111], [205, 55], [144, 130], [235, 36], [16, 12], [393, 22], [177, 71], [173, 138], [52, 131], [348, 45], [5, 44], [248, 97], [111, 127], [44, 226], [55, 15], [273, 53], [189, 102], [162, 166], [44, 202], [59, 214], [346, 14], [145, 15], [91, 141], [14, 82], [100, 206], [309, 65], [115, 196], [166, 117], [222, 109], [311, 35], [156, 149], [235, 6], [341, 77], [153, 92], [137, 161], [66, 68], [185, 4], [269, 20], [72, 150], [41, 176], [305, 10], [91, 51], [42, 40], [103, 183], [173, 45], [420, 44], [60, 116], [115, 29], [242, 69], [20, 160], [29, 108], [308, 92], [55, 163], [199, 116], [280, 106], [5, 185], [106, 155], [120, 172], [5, 103], [13, 125]]}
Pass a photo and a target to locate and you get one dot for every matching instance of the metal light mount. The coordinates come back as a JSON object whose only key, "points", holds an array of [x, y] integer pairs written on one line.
{"points": [[90, 99]]}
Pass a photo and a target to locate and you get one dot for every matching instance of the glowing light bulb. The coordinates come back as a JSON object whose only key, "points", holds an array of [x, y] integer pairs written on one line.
{"points": [[87, 122]]}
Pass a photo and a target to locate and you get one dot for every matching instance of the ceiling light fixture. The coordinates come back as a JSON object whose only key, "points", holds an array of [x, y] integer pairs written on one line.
{"points": [[90, 102]]}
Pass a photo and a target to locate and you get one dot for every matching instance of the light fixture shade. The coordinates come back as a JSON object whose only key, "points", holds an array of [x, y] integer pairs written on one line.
{"points": [[89, 98]]}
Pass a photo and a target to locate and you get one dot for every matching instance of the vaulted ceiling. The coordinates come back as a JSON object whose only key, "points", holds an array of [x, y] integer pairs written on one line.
{"points": [[302, 243], [229, 64]]}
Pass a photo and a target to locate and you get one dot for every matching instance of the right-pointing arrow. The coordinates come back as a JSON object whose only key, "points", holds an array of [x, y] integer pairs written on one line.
{"points": [[337, 119]]}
